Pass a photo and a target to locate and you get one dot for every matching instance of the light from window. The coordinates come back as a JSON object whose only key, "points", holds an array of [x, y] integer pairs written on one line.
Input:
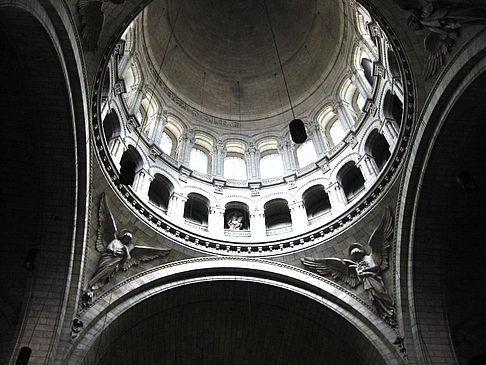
{"points": [[306, 153], [271, 166], [337, 132], [166, 143], [198, 161], [234, 168], [361, 101]]}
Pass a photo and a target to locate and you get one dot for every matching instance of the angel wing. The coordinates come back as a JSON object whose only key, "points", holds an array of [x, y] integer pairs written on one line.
{"points": [[339, 269], [92, 21], [436, 45], [139, 254], [380, 240], [106, 225]]}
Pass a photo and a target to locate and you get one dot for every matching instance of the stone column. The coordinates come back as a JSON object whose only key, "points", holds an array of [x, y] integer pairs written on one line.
{"points": [[218, 155], [358, 79], [140, 94], [298, 215], [116, 149], [159, 128], [390, 131], [141, 184], [336, 195], [216, 221], [368, 168], [252, 163], [344, 115], [287, 155], [185, 143], [317, 139], [257, 224], [176, 207]]}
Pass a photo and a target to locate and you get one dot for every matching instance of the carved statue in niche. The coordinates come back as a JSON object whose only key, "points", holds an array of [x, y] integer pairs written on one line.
{"points": [[235, 222], [92, 19], [442, 19], [364, 268], [117, 251]]}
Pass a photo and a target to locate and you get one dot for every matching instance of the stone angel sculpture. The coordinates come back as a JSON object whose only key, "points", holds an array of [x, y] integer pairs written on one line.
{"points": [[363, 268], [442, 20], [92, 19], [117, 250]]}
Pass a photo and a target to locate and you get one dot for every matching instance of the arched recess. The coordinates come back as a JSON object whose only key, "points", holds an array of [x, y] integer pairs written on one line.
{"points": [[44, 201], [277, 215], [111, 126], [316, 202], [351, 180], [377, 146], [393, 107], [304, 303], [236, 216], [160, 191], [196, 210]]}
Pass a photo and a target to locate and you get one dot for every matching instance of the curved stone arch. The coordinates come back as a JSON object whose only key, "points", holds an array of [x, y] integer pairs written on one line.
{"points": [[138, 77], [186, 190], [352, 157], [468, 63], [375, 124], [317, 181], [130, 143], [386, 87], [56, 41], [165, 277], [237, 198], [155, 169], [289, 198]]}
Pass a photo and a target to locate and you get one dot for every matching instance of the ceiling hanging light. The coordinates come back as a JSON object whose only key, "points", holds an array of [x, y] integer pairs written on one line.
{"points": [[296, 126]]}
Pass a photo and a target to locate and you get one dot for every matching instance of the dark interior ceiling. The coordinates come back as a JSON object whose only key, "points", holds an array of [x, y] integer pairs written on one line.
{"points": [[231, 322], [220, 56]]}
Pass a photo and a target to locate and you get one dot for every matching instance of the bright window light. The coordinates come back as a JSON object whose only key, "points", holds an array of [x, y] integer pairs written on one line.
{"points": [[199, 161], [306, 153], [166, 143], [337, 132], [271, 166], [234, 168]]}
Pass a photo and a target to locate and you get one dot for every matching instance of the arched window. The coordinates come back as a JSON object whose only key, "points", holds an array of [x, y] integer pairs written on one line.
{"points": [[377, 146], [337, 132], [361, 101], [160, 191], [196, 210], [277, 216], [367, 66], [316, 202], [271, 166], [351, 180], [393, 107], [306, 153], [199, 161], [166, 143], [234, 168], [111, 126]]}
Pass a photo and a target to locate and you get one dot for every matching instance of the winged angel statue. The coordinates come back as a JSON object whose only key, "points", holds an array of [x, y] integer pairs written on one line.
{"points": [[117, 250], [92, 19], [363, 268], [442, 20]]}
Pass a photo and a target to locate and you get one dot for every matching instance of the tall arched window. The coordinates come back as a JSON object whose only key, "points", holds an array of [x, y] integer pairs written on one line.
{"points": [[199, 161], [306, 153], [337, 132], [234, 168], [271, 166], [361, 101], [166, 143]]}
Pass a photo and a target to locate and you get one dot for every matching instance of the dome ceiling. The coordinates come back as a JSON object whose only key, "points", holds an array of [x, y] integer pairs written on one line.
{"points": [[221, 58]]}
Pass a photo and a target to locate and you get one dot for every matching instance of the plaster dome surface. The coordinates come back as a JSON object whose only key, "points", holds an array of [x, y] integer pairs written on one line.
{"points": [[219, 56]]}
